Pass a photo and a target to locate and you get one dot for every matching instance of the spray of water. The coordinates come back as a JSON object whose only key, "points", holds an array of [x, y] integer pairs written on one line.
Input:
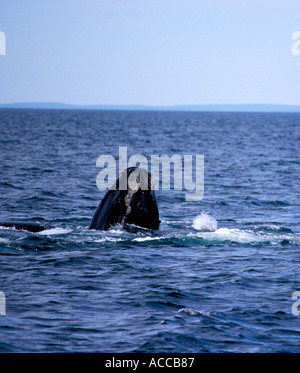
{"points": [[205, 223]]}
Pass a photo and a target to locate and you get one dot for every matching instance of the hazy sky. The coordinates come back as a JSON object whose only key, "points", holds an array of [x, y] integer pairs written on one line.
{"points": [[152, 52]]}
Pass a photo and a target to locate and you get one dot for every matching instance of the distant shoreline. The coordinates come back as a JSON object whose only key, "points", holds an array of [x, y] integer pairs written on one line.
{"points": [[269, 108]]}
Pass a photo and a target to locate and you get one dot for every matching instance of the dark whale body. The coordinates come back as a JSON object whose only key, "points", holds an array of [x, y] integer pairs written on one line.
{"points": [[131, 207], [134, 205], [27, 226]]}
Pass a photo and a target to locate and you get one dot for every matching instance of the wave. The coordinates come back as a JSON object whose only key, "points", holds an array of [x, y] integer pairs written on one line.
{"points": [[246, 236], [147, 238], [232, 235], [108, 239], [203, 230], [4, 240], [54, 231], [193, 312], [208, 230]]}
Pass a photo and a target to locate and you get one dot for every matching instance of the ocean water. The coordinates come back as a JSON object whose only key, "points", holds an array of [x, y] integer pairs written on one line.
{"points": [[219, 274]]}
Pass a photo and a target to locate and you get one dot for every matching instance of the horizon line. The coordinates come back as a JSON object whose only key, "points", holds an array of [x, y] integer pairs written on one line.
{"points": [[262, 107]]}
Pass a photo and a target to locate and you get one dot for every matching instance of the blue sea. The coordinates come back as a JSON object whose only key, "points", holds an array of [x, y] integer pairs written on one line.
{"points": [[219, 274]]}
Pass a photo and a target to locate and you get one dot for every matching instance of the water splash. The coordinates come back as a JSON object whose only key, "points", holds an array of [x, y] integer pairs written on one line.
{"points": [[205, 223]]}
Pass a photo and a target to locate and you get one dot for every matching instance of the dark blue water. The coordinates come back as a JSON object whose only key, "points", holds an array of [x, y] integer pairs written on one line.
{"points": [[179, 289]]}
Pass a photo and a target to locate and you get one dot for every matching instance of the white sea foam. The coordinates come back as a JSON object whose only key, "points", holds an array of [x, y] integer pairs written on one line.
{"points": [[193, 312], [54, 231], [4, 240], [108, 239], [8, 228], [147, 238], [233, 235], [246, 236], [205, 223], [207, 229], [117, 230]]}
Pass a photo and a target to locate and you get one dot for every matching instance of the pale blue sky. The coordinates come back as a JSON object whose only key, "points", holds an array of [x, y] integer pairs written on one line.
{"points": [[157, 52]]}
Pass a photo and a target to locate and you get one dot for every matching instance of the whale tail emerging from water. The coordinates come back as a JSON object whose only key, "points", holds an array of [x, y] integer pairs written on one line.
{"points": [[131, 200]]}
